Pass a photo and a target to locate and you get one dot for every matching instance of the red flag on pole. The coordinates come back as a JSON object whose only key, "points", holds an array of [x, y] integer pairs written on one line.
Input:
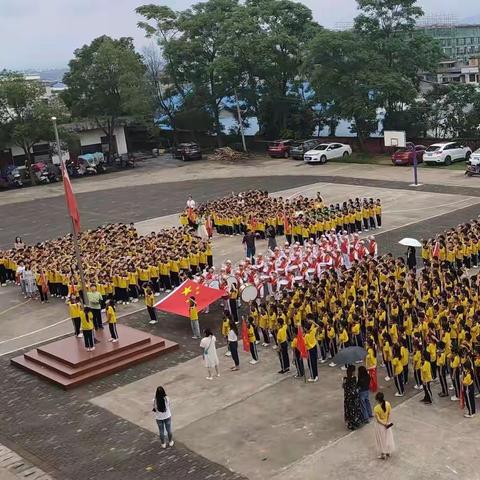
{"points": [[70, 199], [436, 250], [302, 348], [245, 339], [178, 301]]}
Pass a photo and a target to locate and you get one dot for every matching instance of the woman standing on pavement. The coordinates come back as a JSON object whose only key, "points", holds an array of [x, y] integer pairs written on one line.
{"points": [[163, 416], [383, 427], [210, 352], [351, 402], [363, 385]]}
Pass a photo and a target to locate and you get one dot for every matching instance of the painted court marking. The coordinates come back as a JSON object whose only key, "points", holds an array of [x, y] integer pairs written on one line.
{"points": [[14, 307]]}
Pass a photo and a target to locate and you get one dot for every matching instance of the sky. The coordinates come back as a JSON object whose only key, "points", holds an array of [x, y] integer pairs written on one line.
{"points": [[40, 34]]}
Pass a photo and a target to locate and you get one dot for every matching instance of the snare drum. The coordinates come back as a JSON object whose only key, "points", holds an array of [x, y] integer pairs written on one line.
{"points": [[248, 292], [214, 284]]}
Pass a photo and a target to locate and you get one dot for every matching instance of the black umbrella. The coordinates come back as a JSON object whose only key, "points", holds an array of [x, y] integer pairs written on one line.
{"points": [[350, 355]]}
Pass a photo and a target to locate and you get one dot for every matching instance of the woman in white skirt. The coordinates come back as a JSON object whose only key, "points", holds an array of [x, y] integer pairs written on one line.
{"points": [[210, 352], [383, 427]]}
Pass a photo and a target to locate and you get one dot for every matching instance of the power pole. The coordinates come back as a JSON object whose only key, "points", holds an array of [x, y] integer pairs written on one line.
{"points": [[240, 122]]}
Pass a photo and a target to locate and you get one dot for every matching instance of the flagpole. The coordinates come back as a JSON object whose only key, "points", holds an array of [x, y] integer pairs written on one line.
{"points": [[74, 233], [76, 247]]}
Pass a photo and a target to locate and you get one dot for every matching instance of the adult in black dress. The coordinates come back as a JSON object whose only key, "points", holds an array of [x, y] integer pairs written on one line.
{"points": [[351, 402]]}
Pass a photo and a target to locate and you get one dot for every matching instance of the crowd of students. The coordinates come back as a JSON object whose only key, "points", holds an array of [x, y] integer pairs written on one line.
{"points": [[298, 219], [118, 261], [419, 326]]}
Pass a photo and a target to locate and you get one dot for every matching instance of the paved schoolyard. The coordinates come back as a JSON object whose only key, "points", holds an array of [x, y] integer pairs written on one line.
{"points": [[255, 424]]}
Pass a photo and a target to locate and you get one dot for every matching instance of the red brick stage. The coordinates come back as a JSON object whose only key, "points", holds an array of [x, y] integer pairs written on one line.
{"points": [[67, 363]]}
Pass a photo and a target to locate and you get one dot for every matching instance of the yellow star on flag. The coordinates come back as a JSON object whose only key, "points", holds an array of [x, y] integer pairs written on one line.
{"points": [[187, 290]]}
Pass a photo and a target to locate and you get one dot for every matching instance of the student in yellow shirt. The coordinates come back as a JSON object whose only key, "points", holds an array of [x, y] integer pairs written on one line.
{"points": [[74, 308], [397, 367], [417, 365], [469, 390], [426, 375], [383, 430], [387, 355], [252, 340], [193, 313], [283, 346], [112, 321], [226, 329], [311, 344], [149, 302], [86, 323], [404, 354], [442, 368]]}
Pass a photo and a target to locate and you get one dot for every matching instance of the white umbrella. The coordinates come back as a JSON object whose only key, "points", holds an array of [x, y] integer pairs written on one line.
{"points": [[410, 242]]}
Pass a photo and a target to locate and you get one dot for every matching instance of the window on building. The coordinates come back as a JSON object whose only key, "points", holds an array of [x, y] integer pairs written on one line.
{"points": [[472, 78]]}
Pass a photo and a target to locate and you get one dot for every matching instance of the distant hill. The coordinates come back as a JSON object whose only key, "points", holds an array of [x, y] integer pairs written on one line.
{"points": [[475, 19]]}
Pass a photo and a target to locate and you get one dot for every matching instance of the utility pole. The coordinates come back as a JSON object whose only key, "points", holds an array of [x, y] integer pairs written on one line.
{"points": [[240, 122]]}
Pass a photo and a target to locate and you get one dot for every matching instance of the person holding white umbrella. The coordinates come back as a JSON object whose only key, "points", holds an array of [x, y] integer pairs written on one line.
{"points": [[411, 243]]}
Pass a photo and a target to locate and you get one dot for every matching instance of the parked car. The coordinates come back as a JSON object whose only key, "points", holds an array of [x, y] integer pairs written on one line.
{"points": [[327, 151], [404, 156], [280, 148], [446, 153], [187, 151], [474, 158], [298, 149]]}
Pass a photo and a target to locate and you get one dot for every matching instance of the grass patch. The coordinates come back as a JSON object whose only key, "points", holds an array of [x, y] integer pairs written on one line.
{"points": [[365, 158], [454, 166]]}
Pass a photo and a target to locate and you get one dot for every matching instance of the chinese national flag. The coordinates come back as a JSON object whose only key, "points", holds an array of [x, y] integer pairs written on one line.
{"points": [[178, 301], [302, 348], [70, 199], [436, 250], [246, 341]]}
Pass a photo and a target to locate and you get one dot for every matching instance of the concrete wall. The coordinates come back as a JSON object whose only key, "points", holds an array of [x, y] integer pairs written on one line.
{"points": [[93, 137]]}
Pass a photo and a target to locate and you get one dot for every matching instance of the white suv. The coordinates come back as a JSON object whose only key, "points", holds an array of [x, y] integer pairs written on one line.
{"points": [[446, 153], [475, 157]]}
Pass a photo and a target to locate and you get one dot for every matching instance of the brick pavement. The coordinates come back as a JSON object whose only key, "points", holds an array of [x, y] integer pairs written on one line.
{"points": [[71, 438]]}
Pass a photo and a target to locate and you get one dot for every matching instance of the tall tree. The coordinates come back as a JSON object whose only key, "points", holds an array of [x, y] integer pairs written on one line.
{"points": [[273, 52], [25, 114], [345, 74], [403, 51], [105, 83], [166, 86]]}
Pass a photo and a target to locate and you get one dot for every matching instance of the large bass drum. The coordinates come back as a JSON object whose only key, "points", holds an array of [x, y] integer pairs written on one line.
{"points": [[248, 292], [231, 281]]}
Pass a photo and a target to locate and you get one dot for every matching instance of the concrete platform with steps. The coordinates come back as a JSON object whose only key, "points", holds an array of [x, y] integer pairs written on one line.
{"points": [[66, 363]]}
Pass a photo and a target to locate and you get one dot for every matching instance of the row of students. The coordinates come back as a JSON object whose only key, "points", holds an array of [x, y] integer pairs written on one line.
{"points": [[115, 258]]}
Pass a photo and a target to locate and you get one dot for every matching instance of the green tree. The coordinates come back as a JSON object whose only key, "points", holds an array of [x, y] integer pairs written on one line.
{"points": [[25, 114], [403, 51], [106, 83], [272, 47], [345, 74], [165, 85], [454, 111]]}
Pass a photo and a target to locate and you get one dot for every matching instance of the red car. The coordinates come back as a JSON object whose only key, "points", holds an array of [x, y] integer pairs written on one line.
{"points": [[404, 156], [280, 148]]}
